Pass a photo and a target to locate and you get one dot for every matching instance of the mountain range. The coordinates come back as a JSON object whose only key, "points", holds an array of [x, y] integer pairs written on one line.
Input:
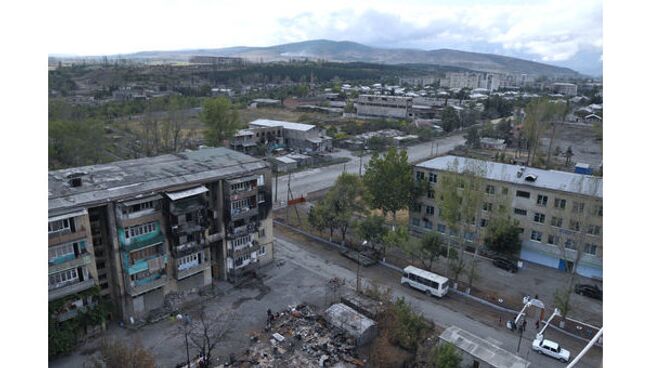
{"points": [[347, 51]]}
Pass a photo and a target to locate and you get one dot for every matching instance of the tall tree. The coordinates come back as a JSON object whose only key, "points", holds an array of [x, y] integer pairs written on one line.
{"points": [[346, 200], [118, 354], [473, 139], [540, 113], [371, 229], [389, 182], [430, 249], [221, 120], [450, 119], [502, 236]]}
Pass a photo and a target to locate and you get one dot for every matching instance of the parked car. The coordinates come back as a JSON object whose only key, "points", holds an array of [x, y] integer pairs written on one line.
{"points": [[592, 291], [505, 264], [552, 349]]}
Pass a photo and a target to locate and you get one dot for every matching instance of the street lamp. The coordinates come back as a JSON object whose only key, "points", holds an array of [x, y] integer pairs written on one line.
{"points": [[359, 262], [187, 321]]}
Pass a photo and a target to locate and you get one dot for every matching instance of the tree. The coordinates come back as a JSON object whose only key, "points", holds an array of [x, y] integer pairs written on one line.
{"points": [[346, 200], [221, 120], [502, 236], [208, 331], [430, 249], [472, 137], [389, 182], [450, 120], [119, 354], [372, 229], [321, 217], [75, 143], [395, 238], [568, 154], [446, 356], [562, 300], [540, 113]]}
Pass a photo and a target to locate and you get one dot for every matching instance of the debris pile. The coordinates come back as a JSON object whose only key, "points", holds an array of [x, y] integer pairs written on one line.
{"points": [[297, 337]]}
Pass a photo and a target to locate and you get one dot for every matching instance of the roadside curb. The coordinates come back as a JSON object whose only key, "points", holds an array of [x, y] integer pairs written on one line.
{"points": [[463, 294]]}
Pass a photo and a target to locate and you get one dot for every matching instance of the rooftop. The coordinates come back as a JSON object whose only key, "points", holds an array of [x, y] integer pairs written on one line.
{"points": [[126, 179], [283, 124], [482, 349], [545, 179]]}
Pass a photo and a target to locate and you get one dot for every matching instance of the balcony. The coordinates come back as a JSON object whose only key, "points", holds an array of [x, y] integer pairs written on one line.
{"points": [[212, 238], [191, 270], [181, 207], [70, 261], [242, 230], [187, 248], [65, 236], [186, 228], [142, 265], [243, 193], [248, 248], [244, 212], [142, 286], [142, 240], [69, 289]]}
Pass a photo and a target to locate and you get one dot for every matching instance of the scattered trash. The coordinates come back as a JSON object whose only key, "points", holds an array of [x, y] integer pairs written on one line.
{"points": [[296, 338]]}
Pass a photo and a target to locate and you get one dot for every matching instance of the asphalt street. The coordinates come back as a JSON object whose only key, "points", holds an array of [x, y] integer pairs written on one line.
{"points": [[308, 181], [444, 312]]}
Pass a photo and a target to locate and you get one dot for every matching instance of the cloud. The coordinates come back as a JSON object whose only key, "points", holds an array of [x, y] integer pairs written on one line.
{"points": [[549, 30]]}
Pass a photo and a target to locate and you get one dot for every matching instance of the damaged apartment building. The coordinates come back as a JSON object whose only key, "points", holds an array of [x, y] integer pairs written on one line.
{"points": [[141, 229]]}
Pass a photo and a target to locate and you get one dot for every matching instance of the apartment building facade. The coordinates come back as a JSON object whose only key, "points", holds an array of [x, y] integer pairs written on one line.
{"points": [[380, 106], [559, 214], [142, 229]]}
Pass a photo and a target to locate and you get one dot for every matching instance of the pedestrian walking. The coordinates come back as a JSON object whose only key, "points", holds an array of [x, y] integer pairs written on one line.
{"points": [[499, 320], [524, 325], [537, 325]]}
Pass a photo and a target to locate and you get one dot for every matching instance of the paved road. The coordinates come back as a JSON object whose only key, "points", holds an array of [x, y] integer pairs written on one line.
{"points": [[444, 312], [320, 178]]}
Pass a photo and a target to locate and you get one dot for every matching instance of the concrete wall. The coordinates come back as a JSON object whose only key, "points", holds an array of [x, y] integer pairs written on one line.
{"points": [[539, 252]]}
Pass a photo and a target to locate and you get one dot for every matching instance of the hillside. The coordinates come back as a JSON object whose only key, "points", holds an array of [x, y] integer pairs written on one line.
{"points": [[346, 51]]}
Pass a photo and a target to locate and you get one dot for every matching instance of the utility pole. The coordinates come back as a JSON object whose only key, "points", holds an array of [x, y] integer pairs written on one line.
{"points": [[360, 162], [276, 184], [288, 191], [521, 333]]}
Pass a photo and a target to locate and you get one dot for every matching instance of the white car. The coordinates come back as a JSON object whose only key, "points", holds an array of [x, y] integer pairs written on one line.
{"points": [[552, 349]]}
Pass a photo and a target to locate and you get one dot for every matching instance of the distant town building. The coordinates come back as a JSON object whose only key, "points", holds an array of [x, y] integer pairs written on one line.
{"points": [[559, 213], [493, 143], [489, 81], [141, 230], [566, 89], [216, 60], [281, 134], [380, 106]]}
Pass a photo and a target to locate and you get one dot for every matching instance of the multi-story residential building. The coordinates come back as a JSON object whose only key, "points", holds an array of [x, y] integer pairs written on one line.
{"points": [[567, 89], [559, 214], [302, 137], [473, 80], [142, 229], [380, 106]]}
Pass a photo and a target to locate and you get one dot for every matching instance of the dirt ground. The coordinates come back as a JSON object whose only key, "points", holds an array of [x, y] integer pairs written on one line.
{"points": [[584, 142]]}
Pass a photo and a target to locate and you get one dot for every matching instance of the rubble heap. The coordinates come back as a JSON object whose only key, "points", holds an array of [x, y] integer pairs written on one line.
{"points": [[297, 337]]}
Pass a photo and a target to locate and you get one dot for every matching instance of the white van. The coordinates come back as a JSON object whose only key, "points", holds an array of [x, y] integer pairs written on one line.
{"points": [[429, 282]]}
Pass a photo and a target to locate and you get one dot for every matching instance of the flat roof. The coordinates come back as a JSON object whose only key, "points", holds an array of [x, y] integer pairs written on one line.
{"points": [[342, 316], [546, 179], [426, 274], [145, 176], [482, 349], [283, 124]]}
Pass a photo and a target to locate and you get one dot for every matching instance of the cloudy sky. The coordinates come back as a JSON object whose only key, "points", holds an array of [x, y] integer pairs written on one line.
{"points": [[560, 32]]}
